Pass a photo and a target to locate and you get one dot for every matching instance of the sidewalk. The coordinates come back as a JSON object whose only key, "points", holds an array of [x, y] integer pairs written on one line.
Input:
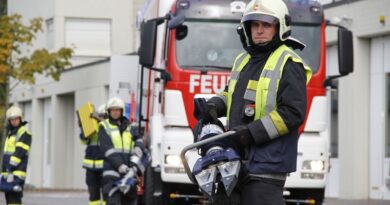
{"points": [[52, 198], [333, 201], [48, 197]]}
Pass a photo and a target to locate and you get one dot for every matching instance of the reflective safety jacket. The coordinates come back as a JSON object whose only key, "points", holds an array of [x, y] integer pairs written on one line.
{"points": [[116, 144], [93, 159], [16, 151], [277, 92]]}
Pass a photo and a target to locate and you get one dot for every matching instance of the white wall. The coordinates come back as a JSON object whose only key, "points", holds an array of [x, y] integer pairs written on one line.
{"points": [[121, 14], [362, 18]]}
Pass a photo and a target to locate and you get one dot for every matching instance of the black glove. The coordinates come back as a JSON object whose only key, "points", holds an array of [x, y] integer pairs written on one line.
{"points": [[243, 136], [83, 138], [204, 111], [96, 116]]}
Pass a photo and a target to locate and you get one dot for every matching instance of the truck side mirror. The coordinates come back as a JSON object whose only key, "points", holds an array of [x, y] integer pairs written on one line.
{"points": [[345, 51], [181, 32], [148, 41], [176, 21]]}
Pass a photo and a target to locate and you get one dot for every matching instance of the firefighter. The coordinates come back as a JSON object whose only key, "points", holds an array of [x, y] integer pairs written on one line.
{"points": [[264, 101], [16, 150], [117, 143], [93, 161]]}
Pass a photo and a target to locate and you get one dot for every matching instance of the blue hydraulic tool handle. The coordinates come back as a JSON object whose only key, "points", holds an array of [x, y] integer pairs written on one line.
{"points": [[197, 145]]}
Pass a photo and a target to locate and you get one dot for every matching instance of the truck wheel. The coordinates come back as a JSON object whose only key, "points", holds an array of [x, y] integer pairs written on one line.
{"points": [[152, 186], [316, 194], [319, 195]]}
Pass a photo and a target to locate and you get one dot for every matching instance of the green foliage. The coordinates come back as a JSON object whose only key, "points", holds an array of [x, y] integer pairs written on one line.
{"points": [[16, 36]]}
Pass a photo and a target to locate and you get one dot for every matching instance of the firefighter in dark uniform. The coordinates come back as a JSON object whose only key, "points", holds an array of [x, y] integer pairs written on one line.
{"points": [[16, 150], [93, 162], [118, 143], [264, 101]]}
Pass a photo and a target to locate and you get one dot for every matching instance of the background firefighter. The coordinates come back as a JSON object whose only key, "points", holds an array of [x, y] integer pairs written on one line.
{"points": [[15, 159], [93, 161], [118, 143]]}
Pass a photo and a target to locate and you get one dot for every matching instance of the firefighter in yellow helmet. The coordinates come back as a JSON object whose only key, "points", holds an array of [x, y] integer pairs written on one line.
{"points": [[118, 143], [93, 161], [265, 103], [15, 159]]}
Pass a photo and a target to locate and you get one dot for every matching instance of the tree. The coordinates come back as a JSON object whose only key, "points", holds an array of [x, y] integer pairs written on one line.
{"points": [[17, 63]]}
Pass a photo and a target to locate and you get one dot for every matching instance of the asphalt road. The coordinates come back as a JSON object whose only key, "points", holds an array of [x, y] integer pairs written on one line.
{"points": [[81, 198]]}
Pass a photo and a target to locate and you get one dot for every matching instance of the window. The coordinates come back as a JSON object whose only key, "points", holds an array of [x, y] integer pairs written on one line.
{"points": [[334, 116], [387, 117], [202, 49], [310, 36], [89, 37], [332, 69], [334, 3], [50, 34]]}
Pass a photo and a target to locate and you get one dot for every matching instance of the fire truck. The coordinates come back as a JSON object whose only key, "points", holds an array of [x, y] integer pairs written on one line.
{"points": [[187, 51]]}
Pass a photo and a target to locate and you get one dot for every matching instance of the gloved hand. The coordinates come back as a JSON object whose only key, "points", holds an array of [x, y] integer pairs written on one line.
{"points": [[83, 138], [242, 136], [123, 169], [96, 116], [10, 178], [137, 151], [204, 111]]}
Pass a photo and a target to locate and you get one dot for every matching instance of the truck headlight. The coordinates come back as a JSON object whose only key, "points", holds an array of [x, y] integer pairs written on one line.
{"points": [[173, 160], [313, 165]]}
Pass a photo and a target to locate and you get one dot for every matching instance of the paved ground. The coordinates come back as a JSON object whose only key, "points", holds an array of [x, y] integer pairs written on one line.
{"points": [[52, 198], [81, 198], [355, 202]]}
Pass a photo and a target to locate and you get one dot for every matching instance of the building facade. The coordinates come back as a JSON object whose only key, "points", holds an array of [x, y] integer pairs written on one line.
{"points": [[101, 32], [360, 169]]}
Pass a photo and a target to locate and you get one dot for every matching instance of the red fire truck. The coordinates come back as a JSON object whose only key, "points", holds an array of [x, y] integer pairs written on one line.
{"points": [[187, 50]]}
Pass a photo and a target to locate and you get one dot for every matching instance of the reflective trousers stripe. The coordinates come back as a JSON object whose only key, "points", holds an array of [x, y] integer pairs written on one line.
{"points": [[97, 202], [15, 161], [89, 163], [111, 173], [18, 173]]}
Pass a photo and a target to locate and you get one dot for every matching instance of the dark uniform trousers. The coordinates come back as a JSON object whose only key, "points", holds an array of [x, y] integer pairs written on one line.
{"points": [[14, 197], [94, 183], [252, 191]]}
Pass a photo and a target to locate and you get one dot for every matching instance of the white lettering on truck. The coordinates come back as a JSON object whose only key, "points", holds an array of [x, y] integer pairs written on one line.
{"points": [[208, 83]]}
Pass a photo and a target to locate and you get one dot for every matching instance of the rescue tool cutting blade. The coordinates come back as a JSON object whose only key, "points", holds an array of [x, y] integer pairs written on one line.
{"points": [[229, 173], [206, 179]]}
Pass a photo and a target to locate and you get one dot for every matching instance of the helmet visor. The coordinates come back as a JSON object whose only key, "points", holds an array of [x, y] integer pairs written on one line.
{"points": [[260, 17]]}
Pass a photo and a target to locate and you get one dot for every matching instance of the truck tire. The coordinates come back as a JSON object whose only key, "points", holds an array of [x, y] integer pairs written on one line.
{"points": [[152, 184], [318, 195]]}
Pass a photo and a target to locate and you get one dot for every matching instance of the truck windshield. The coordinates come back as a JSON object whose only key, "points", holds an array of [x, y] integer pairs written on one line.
{"points": [[310, 36], [215, 45], [209, 45]]}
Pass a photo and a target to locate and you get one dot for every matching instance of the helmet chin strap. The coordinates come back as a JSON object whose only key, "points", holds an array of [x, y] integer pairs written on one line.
{"points": [[263, 44]]}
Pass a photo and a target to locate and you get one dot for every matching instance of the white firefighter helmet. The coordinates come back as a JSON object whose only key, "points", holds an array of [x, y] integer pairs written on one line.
{"points": [[14, 112], [115, 102], [102, 109], [270, 11]]}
